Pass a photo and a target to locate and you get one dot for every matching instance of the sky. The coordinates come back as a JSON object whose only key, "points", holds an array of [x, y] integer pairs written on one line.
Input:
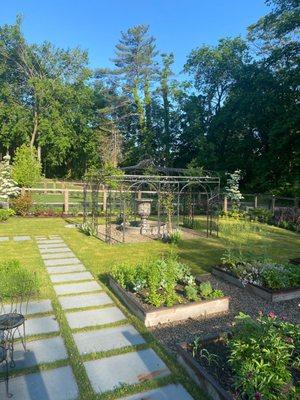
{"points": [[95, 25]]}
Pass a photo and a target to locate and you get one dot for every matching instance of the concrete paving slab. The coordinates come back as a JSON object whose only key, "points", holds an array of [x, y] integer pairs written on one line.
{"points": [[73, 288], [33, 307], [39, 325], [51, 245], [169, 392], [21, 238], [43, 351], [85, 300], [50, 241], [4, 238], [66, 269], [130, 368], [58, 254], [76, 276], [107, 339], [54, 250], [54, 384], [82, 319], [62, 261]]}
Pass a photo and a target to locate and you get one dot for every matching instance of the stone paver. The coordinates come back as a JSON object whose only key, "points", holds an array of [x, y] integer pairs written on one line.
{"points": [[21, 238], [66, 269], [107, 339], [4, 238], [83, 319], [85, 300], [76, 276], [39, 325], [52, 246], [52, 256], [80, 287], [50, 241], [169, 392], [62, 261], [54, 250], [55, 384], [130, 368], [33, 307], [41, 351]]}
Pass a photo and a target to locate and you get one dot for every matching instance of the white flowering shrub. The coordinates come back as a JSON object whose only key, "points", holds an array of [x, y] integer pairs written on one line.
{"points": [[8, 187], [232, 189]]}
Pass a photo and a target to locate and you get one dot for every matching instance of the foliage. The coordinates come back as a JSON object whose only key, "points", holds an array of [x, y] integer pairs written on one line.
{"points": [[8, 187], [207, 292], [173, 237], [232, 189], [262, 272], [156, 281], [262, 352], [5, 214], [26, 167], [88, 229], [22, 204], [16, 281]]}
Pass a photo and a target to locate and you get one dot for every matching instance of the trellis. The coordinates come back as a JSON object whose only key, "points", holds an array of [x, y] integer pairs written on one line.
{"points": [[193, 195]]}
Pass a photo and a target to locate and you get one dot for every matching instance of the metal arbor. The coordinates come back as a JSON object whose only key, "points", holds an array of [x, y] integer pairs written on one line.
{"points": [[189, 197]]}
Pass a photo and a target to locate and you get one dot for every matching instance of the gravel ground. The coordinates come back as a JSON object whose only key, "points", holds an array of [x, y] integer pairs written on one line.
{"points": [[240, 300]]}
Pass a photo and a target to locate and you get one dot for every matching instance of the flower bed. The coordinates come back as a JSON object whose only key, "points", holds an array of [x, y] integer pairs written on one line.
{"points": [[259, 359], [271, 281], [164, 291]]}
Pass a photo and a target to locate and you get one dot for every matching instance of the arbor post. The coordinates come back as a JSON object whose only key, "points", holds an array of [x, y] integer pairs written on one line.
{"points": [[273, 203], [66, 201], [104, 200], [255, 201]]}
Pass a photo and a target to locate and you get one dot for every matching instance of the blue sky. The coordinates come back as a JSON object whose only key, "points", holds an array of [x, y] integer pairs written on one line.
{"points": [[95, 25]]}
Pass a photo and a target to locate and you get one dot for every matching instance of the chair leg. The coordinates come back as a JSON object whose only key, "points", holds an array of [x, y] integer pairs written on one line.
{"points": [[23, 338]]}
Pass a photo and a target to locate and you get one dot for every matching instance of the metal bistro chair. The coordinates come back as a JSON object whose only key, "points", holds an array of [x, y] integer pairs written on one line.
{"points": [[12, 321], [4, 359]]}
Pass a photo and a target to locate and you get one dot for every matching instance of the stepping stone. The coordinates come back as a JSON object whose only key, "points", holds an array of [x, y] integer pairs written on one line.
{"points": [[21, 238], [85, 300], [54, 237], [55, 250], [55, 384], [43, 351], [70, 226], [62, 261], [130, 368], [33, 307], [50, 241], [4, 239], [66, 268], [174, 392], [82, 319], [107, 339], [51, 246], [72, 288], [37, 326], [77, 276], [52, 256]]}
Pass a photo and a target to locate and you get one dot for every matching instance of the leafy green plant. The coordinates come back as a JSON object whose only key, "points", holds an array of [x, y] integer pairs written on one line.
{"points": [[22, 204], [26, 167], [175, 237], [262, 352], [88, 229], [191, 292], [5, 214], [207, 292]]}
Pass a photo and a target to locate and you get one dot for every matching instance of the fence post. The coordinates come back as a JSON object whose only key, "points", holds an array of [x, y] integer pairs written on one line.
{"points": [[255, 201], [225, 204], [66, 201], [139, 195], [23, 191], [273, 203], [104, 200], [296, 202]]}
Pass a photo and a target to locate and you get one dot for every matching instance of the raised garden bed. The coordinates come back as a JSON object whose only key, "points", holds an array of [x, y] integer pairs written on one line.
{"points": [[224, 365], [265, 293], [201, 376], [152, 316]]}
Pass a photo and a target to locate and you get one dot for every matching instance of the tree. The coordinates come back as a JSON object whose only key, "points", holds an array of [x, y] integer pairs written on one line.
{"points": [[8, 187], [232, 189], [26, 166]]}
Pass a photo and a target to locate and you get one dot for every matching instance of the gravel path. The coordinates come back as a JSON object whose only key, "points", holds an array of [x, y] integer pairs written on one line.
{"points": [[172, 334]]}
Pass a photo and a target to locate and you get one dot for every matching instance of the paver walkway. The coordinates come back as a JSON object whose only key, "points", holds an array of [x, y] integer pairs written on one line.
{"points": [[98, 326]]}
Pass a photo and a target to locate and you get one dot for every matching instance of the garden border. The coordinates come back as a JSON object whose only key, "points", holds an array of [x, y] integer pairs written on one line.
{"points": [[163, 315], [273, 296]]}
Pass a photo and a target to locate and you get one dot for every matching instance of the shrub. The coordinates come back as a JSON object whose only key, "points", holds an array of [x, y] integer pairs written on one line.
{"points": [[262, 352], [26, 167], [88, 229], [5, 214], [16, 281], [22, 204], [191, 292], [207, 292], [175, 237]]}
